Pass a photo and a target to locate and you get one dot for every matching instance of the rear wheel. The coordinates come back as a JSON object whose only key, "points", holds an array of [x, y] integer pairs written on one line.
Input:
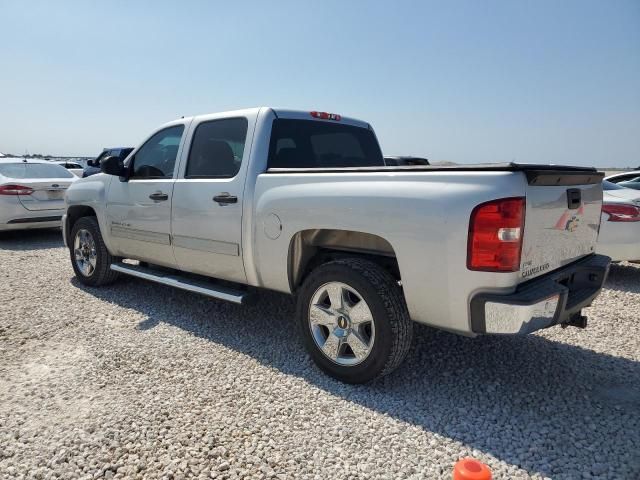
{"points": [[90, 258], [354, 320]]}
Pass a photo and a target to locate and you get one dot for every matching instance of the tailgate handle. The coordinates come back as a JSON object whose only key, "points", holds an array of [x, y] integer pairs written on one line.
{"points": [[574, 198]]}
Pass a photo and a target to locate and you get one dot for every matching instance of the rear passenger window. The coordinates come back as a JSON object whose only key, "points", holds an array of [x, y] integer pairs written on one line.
{"points": [[217, 148], [315, 144]]}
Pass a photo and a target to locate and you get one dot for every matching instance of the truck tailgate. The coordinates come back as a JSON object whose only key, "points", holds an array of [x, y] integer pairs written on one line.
{"points": [[562, 219]]}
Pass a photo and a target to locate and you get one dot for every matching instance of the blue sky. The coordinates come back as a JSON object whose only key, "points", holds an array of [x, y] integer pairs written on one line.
{"points": [[463, 81]]}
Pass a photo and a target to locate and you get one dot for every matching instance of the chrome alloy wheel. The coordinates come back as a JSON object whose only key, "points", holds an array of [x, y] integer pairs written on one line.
{"points": [[84, 249], [341, 324]]}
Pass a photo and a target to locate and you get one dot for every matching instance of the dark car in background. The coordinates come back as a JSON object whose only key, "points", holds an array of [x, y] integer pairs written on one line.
{"points": [[93, 166]]}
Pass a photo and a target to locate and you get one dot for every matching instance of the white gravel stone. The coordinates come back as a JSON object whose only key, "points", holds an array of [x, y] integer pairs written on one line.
{"points": [[140, 381]]}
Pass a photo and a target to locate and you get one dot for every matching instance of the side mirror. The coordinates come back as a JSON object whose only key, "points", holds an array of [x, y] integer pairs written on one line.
{"points": [[113, 166]]}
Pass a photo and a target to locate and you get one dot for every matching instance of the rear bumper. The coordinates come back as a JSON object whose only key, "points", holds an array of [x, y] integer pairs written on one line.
{"points": [[621, 252], [543, 302], [29, 224], [619, 240], [13, 216]]}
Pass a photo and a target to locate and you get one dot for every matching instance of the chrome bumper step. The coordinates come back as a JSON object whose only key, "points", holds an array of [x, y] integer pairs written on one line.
{"points": [[184, 283]]}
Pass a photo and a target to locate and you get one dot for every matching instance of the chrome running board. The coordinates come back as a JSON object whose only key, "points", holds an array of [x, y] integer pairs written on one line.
{"points": [[192, 285]]}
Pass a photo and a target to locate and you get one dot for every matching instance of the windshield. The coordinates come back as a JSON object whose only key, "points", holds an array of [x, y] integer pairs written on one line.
{"points": [[34, 170], [607, 185]]}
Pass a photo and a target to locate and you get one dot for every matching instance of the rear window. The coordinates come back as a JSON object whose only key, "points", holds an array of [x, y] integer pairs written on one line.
{"points": [[606, 185], [314, 144], [34, 170], [625, 178]]}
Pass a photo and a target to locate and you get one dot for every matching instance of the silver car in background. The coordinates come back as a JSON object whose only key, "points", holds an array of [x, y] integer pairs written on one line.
{"points": [[73, 167], [32, 193]]}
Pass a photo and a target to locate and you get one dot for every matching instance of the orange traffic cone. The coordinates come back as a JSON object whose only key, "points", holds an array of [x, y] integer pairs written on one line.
{"points": [[470, 469]]}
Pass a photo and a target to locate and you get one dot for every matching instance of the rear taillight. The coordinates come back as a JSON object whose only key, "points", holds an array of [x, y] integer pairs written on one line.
{"points": [[495, 235], [621, 212], [15, 190]]}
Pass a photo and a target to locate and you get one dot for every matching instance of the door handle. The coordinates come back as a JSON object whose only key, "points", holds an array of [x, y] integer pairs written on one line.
{"points": [[225, 198], [159, 197]]}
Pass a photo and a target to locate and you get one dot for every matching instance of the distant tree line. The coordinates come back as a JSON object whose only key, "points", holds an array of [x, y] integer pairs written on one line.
{"points": [[39, 156]]}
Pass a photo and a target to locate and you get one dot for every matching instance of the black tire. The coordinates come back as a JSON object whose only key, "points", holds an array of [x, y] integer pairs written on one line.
{"points": [[102, 274], [384, 297]]}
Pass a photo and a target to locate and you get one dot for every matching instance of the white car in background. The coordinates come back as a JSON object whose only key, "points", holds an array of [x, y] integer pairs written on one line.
{"points": [[73, 167], [626, 179], [32, 193], [620, 224]]}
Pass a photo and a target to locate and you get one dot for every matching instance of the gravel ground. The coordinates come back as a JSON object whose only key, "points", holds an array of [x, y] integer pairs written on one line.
{"points": [[141, 381]]}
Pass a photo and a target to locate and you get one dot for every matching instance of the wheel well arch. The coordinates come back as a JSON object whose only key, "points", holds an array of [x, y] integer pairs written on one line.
{"points": [[76, 212], [313, 247]]}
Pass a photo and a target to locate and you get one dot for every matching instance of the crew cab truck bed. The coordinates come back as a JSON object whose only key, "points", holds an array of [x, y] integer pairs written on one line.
{"points": [[302, 203]]}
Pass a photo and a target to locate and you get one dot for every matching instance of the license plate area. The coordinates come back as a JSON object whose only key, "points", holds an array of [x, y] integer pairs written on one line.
{"points": [[55, 194]]}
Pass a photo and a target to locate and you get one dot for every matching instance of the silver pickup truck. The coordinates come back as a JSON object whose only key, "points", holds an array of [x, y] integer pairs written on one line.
{"points": [[302, 202]]}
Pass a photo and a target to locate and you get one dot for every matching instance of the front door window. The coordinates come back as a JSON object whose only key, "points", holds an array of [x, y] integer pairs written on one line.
{"points": [[157, 157]]}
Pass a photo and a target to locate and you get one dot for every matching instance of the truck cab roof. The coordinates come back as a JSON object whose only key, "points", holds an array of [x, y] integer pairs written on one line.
{"points": [[279, 113]]}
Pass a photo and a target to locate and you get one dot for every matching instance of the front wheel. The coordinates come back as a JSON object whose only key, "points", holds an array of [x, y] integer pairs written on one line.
{"points": [[354, 320], [90, 258]]}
